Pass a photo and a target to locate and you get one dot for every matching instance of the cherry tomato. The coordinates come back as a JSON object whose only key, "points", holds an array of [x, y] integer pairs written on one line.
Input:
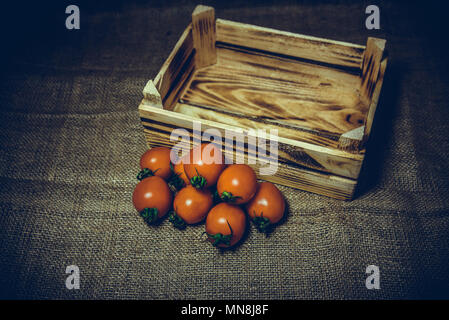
{"points": [[152, 198], [179, 179], [267, 207], [237, 184], [155, 162], [206, 162], [190, 206], [225, 225]]}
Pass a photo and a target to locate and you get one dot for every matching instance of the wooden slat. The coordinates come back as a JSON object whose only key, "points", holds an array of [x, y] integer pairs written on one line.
{"points": [[172, 67], [271, 89], [375, 99], [373, 69], [180, 83], [290, 151], [295, 177], [317, 49], [203, 31], [245, 121]]}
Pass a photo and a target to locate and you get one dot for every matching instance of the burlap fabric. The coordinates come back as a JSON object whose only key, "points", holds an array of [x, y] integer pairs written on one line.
{"points": [[71, 139]]}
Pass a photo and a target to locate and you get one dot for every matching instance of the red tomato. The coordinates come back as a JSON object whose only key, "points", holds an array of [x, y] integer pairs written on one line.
{"points": [[152, 198], [225, 225], [237, 184], [206, 162], [190, 206], [267, 207], [155, 161]]}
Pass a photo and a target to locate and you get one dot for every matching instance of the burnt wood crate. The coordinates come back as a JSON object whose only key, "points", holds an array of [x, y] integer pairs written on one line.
{"points": [[321, 95]]}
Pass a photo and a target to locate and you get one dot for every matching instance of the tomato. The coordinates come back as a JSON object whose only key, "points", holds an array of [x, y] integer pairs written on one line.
{"points": [[152, 198], [225, 225], [155, 162], [179, 179], [237, 184], [190, 206], [266, 207], [205, 164]]}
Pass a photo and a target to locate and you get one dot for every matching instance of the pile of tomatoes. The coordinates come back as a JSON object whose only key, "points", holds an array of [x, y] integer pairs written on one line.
{"points": [[205, 188]]}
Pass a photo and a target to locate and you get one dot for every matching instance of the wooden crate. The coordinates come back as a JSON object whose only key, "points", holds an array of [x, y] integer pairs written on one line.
{"points": [[321, 95]]}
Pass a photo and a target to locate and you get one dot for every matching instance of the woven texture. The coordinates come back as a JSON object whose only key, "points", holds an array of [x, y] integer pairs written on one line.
{"points": [[71, 139]]}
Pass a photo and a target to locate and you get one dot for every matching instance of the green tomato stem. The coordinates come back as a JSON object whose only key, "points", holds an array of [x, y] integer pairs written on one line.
{"points": [[149, 215], [262, 224], [219, 238], [176, 220], [145, 173], [229, 197]]}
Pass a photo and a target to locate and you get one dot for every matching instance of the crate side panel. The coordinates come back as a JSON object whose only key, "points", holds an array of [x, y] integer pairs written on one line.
{"points": [[327, 51], [290, 152], [175, 63], [328, 185]]}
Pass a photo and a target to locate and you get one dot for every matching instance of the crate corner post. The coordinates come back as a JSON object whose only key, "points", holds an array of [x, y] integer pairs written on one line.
{"points": [[204, 35], [151, 95], [373, 68]]}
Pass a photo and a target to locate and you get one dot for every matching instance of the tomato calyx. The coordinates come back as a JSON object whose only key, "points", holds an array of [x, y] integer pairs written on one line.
{"points": [[176, 220], [149, 215], [176, 181], [229, 197], [145, 173], [198, 181], [220, 238], [216, 197], [262, 223]]}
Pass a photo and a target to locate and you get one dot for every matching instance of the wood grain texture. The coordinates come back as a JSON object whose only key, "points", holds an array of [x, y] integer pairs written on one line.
{"points": [[203, 31], [291, 152], [373, 70], [180, 83], [296, 177], [249, 122], [297, 95], [151, 95], [317, 49], [351, 141], [174, 67]]}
